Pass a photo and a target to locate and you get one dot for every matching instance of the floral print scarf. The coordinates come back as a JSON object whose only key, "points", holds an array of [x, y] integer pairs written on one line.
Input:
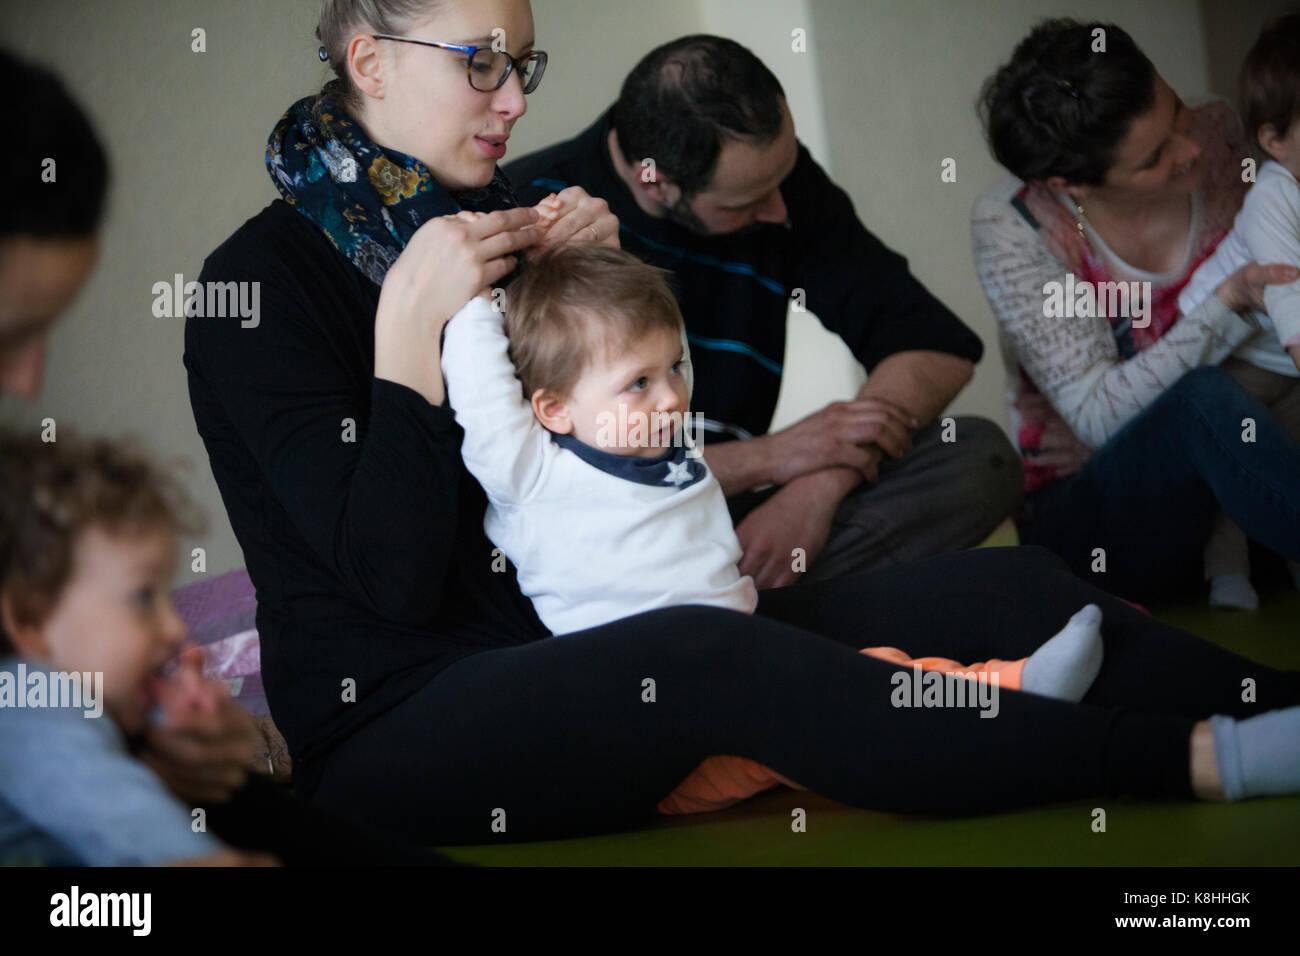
{"points": [[367, 199]]}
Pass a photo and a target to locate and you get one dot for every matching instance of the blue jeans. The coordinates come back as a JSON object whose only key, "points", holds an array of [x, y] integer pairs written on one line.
{"points": [[1149, 495]]}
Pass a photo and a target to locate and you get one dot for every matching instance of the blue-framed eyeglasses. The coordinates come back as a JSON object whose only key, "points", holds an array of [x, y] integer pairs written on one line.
{"points": [[487, 69]]}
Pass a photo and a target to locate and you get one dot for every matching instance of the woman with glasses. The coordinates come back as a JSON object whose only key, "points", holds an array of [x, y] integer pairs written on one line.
{"points": [[412, 680]]}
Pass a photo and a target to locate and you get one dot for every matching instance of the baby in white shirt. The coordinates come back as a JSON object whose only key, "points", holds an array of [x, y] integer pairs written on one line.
{"points": [[1266, 230], [596, 490]]}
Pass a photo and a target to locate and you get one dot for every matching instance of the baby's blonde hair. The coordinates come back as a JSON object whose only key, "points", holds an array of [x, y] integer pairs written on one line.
{"points": [[577, 300]]}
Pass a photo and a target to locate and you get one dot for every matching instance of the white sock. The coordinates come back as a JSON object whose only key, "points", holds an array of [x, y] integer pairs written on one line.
{"points": [[1259, 756], [1066, 665], [1233, 590]]}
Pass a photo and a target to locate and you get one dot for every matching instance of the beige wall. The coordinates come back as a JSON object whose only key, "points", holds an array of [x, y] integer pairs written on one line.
{"points": [[883, 93], [1231, 29]]}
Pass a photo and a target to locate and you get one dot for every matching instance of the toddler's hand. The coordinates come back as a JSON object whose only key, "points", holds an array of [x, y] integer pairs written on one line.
{"points": [[203, 743], [186, 697], [548, 211], [573, 216]]}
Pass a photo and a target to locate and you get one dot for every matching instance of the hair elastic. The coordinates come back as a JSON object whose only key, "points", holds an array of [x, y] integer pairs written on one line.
{"points": [[324, 57]]}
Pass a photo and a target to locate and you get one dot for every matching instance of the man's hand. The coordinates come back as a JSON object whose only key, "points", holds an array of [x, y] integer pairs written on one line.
{"points": [[797, 516], [206, 743], [839, 435]]}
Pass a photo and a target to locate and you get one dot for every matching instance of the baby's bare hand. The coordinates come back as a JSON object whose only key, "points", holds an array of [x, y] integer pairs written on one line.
{"points": [[549, 211], [573, 216], [204, 755]]}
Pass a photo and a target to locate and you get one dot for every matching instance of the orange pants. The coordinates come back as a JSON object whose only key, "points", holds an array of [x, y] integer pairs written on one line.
{"points": [[723, 780]]}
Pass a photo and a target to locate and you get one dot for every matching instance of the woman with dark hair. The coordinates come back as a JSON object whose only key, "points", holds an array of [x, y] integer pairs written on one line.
{"points": [[77, 792], [411, 678], [1131, 434], [49, 222]]}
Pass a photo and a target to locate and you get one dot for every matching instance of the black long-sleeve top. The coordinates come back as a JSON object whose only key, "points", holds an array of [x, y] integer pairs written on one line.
{"points": [[368, 555]]}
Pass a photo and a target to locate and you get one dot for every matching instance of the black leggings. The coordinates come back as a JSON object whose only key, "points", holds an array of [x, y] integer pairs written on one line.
{"points": [[262, 816], [556, 738]]}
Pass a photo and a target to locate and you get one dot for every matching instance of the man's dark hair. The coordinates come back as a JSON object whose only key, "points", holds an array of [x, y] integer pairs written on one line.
{"points": [[46, 123], [1270, 77], [1059, 109], [685, 98]]}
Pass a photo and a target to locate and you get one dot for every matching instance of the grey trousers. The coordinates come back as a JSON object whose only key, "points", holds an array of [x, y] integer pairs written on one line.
{"points": [[941, 496]]}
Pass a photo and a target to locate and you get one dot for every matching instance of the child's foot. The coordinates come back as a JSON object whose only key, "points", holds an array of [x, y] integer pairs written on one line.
{"points": [[1258, 756], [1233, 590], [1066, 665]]}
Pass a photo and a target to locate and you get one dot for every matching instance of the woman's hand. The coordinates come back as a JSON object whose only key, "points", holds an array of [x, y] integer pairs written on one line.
{"points": [[1244, 289], [451, 259], [469, 215], [205, 745], [448, 261], [797, 516], [574, 216], [1058, 446]]}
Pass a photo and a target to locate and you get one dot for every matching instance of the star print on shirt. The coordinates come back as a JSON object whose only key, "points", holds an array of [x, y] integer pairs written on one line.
{"points": [[678, 472], [676, 466]]}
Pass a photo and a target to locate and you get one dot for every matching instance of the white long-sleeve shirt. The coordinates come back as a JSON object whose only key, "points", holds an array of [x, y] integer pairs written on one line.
{"points": [[1267, 230], [1074, 361], [595, 536]]}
